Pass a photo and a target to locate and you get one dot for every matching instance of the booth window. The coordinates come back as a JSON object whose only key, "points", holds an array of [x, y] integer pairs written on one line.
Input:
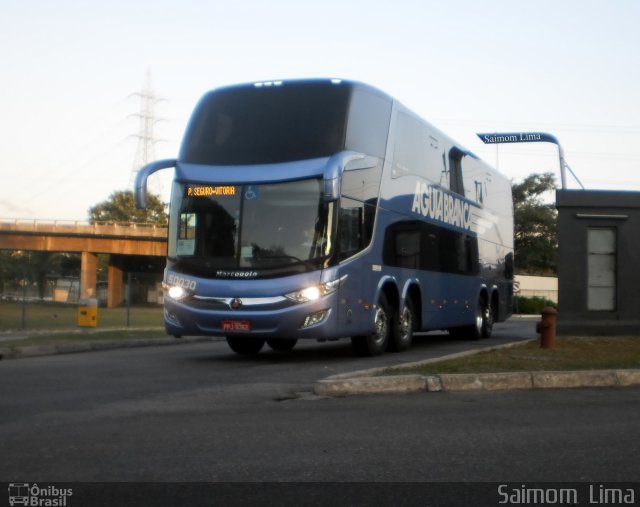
{"points": [[601, 252]]}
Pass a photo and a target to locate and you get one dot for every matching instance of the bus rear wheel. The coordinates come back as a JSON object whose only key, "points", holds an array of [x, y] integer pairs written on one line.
{"points": [[483, 325], [246, 346], [281, 344], [488, 319], [403, 326], [375, 343]]}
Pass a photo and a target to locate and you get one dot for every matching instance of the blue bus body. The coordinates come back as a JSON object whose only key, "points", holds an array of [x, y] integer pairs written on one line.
{"points": [[325, 209]]}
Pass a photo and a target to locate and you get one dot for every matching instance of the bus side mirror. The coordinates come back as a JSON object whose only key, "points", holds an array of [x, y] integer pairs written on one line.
{"points": [[140, 186]]}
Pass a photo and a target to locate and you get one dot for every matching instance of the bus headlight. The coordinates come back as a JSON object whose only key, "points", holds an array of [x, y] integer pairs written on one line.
{"points": [[175, 292], [315, 291]]}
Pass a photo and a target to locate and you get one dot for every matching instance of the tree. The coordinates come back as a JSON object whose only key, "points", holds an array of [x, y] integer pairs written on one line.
{"points": [[536, 241], [11, 270], [35, 267], [120, 207]]}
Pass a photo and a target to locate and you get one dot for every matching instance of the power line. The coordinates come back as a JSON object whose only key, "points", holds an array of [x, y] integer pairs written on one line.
{"points": [[572, 154], [38, 178], [613, 129]]}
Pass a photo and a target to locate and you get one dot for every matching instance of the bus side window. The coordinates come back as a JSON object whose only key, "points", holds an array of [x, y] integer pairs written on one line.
{"points": [[368, 124], [355, 226], [416, 151], [349, 229], [407, 245], [476, 179], [420, 245], [409, 156]]}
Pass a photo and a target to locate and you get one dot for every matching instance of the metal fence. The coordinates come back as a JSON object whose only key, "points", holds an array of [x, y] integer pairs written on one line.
{"points": [[53, 302]]}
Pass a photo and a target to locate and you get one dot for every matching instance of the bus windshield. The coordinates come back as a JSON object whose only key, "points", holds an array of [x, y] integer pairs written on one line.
{"points": [[270, 228], [264, 125]]}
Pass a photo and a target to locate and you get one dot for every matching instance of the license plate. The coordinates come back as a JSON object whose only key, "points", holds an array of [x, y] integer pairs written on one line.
{"points": [[236, 325]]}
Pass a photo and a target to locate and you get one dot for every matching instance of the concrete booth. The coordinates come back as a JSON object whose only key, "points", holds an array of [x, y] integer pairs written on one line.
{"points": [[598, 262]]}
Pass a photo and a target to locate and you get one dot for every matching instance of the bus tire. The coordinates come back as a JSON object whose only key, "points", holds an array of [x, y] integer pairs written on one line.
{"points": [[281, 344], [375, 343], [402, 329], [246, 346], [488, 319], [483, 325]]}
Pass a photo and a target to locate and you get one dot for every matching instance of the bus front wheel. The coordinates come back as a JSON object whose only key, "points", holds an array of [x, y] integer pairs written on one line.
{"points": [[245, 345], [375, 343]]}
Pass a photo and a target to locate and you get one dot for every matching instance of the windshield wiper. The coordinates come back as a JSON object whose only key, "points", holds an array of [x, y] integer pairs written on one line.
{"points": [[308, 263]]}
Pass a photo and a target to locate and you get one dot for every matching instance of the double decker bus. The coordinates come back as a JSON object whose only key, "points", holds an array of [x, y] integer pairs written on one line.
{"points": [[325, 209]]}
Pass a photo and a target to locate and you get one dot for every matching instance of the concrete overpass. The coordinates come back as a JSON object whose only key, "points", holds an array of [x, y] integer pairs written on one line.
{"points": [[89, 240]]}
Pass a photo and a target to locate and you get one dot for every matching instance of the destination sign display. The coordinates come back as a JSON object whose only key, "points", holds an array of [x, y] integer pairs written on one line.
{"points": [[210, 190]]}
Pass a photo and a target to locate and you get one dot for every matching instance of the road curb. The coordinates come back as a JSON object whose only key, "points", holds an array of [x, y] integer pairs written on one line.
{"points": [[71, 348], [400, 384], [373, 382], [456, 382]]}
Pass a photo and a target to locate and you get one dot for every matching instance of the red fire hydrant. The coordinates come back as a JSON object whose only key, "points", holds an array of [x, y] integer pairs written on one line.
{"points": [[547, 327]]}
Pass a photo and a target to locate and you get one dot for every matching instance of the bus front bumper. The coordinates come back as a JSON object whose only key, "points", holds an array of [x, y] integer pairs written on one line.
{"points": [[273, 319]]}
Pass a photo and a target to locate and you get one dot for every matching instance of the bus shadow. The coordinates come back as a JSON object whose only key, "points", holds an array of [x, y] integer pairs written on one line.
{"points": [[339, 350]]}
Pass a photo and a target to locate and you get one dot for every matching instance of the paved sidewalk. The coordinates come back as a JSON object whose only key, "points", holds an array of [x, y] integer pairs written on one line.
{"points": [[22, 334], [17, 352]]}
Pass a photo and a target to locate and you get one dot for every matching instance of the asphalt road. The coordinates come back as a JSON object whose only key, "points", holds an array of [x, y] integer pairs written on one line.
{"points": [[200, 413]]}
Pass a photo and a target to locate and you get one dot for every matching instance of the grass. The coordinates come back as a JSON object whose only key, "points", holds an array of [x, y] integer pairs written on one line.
{"points": [[56, 324], [57, 315], [570, 353]]}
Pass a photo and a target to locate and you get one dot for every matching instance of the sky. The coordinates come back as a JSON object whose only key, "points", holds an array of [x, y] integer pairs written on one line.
{"points": [[70, 72]]}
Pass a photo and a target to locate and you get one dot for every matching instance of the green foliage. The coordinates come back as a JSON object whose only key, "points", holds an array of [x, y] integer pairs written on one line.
{"points": [[10, 267], [120, 207], [35, 267], [531, 305], [535, 227]]}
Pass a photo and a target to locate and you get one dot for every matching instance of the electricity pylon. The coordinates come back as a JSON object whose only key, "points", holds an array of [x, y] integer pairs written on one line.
{"points": [[145, 151]]}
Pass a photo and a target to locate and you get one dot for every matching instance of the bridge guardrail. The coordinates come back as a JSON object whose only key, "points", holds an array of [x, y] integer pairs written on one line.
{"points": [[82, 227]]}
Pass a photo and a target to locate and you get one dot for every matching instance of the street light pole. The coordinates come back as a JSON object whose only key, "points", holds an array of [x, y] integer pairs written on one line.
{"points": [[563, 173]]}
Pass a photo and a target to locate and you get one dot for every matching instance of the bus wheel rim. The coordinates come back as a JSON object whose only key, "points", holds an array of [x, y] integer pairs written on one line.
{"points": [[405, 324], [479, 317], [381, 325]]}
